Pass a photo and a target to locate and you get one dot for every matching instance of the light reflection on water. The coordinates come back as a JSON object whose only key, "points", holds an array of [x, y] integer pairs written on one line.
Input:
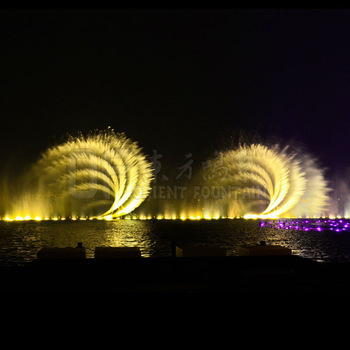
{"points": [[20, 241]]}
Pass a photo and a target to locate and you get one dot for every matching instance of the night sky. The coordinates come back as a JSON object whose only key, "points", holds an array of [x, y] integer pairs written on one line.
{"points": [[176, 81]]}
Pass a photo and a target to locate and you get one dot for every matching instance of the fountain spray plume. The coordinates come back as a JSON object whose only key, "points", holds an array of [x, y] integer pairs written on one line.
{"points": [[103, 174], [260, 181]]}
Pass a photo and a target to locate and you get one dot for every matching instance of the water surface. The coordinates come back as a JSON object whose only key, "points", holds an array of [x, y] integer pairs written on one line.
{"points": [[20, 241]]}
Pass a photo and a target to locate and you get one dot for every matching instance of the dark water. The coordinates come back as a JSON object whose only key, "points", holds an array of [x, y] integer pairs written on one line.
{"points": [[20, 241]]}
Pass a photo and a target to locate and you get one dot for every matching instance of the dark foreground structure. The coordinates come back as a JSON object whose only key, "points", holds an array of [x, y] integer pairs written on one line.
{"points": [[232, 274]]}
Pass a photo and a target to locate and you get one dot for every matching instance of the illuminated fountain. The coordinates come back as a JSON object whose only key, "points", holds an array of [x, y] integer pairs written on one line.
{"points": [[102, 175], [105, 175], [258, 181]]}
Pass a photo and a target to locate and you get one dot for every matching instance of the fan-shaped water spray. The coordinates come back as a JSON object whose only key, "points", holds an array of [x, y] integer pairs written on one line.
{"points": [[264, 181], [101, 175]]}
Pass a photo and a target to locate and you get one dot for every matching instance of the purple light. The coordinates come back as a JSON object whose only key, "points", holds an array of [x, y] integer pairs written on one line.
{"points": [[310, 225]]}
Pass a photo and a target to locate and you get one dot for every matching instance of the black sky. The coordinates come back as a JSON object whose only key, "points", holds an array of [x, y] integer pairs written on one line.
{"points": [[177, 81]]}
